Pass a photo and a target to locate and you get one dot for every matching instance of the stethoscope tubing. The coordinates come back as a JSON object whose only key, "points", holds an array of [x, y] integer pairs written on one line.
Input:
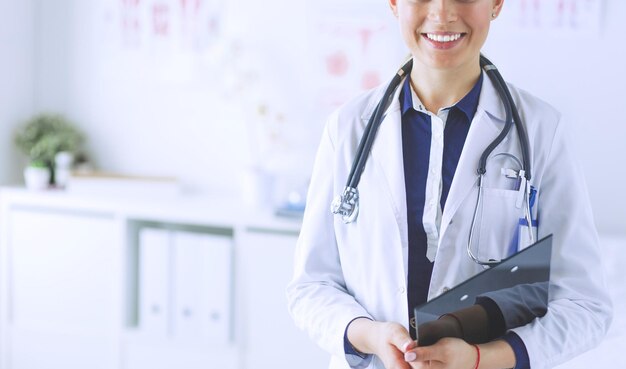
{"points": [[511, 112], [493, 73], [507, 99], [372, 127], [347, 205]]}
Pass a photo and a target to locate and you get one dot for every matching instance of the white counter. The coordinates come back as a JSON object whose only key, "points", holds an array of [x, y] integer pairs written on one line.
{"points": [[70, 290], [215, 210]]}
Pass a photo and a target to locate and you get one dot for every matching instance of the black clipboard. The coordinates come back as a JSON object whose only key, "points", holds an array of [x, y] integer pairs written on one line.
{"points": [[529, 266]]}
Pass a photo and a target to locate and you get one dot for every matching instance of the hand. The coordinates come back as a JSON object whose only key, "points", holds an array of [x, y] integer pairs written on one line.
{"points": [[447, 353], [393, 342], [387, 340]]}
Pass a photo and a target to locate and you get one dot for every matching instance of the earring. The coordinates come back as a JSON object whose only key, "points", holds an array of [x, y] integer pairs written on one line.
{"points": [[493, 15]]}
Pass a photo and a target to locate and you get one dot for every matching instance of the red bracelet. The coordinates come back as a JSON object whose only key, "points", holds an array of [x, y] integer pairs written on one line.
{"points": [[477, 356]]}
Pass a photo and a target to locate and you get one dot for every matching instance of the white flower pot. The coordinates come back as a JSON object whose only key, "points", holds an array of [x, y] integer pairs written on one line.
{"points": [[37, 178]]}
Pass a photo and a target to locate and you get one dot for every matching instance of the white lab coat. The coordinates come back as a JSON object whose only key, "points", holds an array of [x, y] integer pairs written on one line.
{"points": [[343, 271]]}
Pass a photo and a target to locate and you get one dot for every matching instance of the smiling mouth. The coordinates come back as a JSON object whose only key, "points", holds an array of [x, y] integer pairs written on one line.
{"points": [[443, 38]]}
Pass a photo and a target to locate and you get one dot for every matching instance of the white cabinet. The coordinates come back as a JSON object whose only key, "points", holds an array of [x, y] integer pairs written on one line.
{"points": [[118, 283], [271, 338], [63, 279]]}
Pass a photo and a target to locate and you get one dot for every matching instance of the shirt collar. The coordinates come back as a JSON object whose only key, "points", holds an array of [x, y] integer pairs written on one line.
{"points": [[409, 99], [468, 104]]}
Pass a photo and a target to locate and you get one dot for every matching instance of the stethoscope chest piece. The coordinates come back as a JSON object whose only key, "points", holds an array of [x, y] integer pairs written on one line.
{"points": [[346, 205]]}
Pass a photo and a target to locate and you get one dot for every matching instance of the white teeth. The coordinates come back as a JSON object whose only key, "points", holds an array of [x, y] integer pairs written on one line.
{"points": [[443, 38]]}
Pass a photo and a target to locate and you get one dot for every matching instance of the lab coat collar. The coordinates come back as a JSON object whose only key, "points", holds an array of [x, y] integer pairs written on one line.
{"points": [[490, 101], [375, 99]]}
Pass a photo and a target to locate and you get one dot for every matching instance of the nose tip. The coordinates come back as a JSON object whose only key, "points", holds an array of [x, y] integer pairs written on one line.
{"points": [[443, 14]]}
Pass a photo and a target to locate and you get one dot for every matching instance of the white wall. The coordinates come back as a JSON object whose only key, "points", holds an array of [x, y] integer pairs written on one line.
{"points": [[53, 50], [156, 107], [136, 123], [159, 109], [583, 76], [16, 74]]}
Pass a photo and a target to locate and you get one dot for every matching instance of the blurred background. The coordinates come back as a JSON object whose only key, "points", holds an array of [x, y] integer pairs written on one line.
{"points": [[182, 134]]}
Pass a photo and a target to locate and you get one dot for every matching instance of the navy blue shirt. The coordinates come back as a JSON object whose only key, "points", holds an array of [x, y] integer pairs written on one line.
{"points": [[416, 147]]}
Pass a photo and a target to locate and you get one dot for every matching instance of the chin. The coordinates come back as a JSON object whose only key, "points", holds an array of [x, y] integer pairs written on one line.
{"points": [[440, 61]]}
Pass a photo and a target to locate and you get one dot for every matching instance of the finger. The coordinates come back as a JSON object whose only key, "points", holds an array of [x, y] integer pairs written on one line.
{"points": [[419, 353], [411, 355], [409, 345], [402, 339]]}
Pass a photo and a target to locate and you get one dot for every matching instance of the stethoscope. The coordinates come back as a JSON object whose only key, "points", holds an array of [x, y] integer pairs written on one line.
{"points": [[347, 204]]}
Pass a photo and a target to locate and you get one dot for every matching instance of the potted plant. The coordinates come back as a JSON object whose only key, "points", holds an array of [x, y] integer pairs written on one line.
{"points": [[41, 139], [37, 175]]}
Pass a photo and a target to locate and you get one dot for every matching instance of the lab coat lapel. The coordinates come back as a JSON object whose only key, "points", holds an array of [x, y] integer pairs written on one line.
{"points": [[485, 127], [387, 156]]}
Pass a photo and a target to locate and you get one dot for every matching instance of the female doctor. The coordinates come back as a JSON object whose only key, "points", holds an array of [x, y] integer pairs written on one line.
{"points": [[356, 283]]}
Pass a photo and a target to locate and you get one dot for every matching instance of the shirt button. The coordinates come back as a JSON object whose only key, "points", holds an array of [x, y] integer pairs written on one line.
{"points": [[445, 289], [401, 290]]}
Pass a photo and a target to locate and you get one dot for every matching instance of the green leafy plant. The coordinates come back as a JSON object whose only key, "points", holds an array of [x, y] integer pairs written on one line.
{"points": [[43, 136], [38, 164]]}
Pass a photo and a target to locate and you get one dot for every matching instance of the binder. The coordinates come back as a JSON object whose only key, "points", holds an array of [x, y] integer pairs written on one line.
{"points": [[202, 286], [154, 255], [530, 266]]}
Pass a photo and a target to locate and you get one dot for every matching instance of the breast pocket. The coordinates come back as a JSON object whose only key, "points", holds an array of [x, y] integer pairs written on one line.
{"points": [[496, 228]]}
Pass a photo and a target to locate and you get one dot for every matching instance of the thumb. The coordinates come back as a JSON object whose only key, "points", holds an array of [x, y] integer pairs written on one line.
{"points": [[428, 353]]}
